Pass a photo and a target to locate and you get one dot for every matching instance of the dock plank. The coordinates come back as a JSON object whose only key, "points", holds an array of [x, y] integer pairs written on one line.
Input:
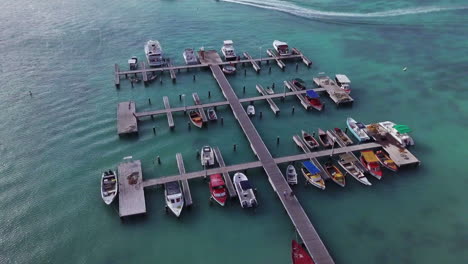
{"points": [[305, 60], [126, 120], [270, 101], [143, 72], [278, 60], [185, 184], [227, 178], [338, 95], [253, 62], [300, 96], [117, 75], [170, 119], [131, 193]]}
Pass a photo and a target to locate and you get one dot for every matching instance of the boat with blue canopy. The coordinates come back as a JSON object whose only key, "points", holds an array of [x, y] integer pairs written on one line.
{"points": [[312, 174], [314, 100]]}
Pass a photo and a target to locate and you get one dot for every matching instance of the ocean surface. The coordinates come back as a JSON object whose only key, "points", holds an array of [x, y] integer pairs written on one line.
{"points": [[55, 143]]}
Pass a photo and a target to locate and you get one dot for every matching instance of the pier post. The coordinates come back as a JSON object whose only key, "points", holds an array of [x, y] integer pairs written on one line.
{"points": [[245, 72], [152, 117], [297, 66], [178, 70], [293, 110], [261, 114], [126, 76], [209, 94], [188, 125], [269, 69], [268, 62], [180, 97], [243, 89], [159, 160], [160, 80], [235, 147], [154, 130], [194, 77], [222, 120], [131, 82], [198, 154], [313, 133], [149, 100], [277, 140], [273, 86]]}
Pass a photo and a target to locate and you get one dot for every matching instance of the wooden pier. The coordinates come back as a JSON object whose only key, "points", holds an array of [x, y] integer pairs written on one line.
{"points": [[300, 143], [227, 179], [306, 61], [172, 71], [170, 119], [116, 75], [185, 185], [144, 73], [305, 103], [126, 120], [356, 162], [253, 62], [338, 95], [198, 103], [272, 104], [131, 194], [278, 60]]}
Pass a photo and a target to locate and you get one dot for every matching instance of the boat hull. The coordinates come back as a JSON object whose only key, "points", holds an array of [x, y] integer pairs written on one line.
{"points": [[311, 181], [300, 255], [109, 196]]}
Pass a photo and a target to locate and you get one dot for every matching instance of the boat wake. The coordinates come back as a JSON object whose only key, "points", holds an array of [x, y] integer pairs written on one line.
{"points": [[312, 13]]}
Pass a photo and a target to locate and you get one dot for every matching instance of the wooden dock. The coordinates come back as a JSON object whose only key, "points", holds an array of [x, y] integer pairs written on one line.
{"points": [[131, 194], [356, 162], [252, 61], [278, 60], [196, 100], [338, 95], [144, 73], [116, 75], [185, 185], [272, 104], [300, 143], [172, 71], [170, 119], [306, 61], [227, 179], [305, 103], [126, 120]]}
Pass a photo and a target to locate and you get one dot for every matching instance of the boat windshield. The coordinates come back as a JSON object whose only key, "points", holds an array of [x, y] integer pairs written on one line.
{"points": [[172, 188], [206, 149], [282, 49], [155, 58], [220, 187], [245, 185]]}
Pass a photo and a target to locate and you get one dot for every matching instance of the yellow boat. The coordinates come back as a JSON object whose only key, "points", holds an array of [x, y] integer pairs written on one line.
{"points": [[312, 175]]}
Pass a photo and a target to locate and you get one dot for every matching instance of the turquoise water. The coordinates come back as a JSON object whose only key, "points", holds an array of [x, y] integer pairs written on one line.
{"points": [[55, 143]]}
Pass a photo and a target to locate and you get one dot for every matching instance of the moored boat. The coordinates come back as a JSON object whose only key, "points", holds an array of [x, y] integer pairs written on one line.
{"points": [[386, 161], [370, 161], [314, 100], [335, 174], [268, 90], [291, 175], [190, 57], [244, 191], [300, 255], [207, 156], [312, 174], [133, 63], [228, 50], [229, 69], [154, 53], [342, 135], [358, 129], [344, 82], [299, 83], [109, 186], [196, 118], [218, 189], [250, 110], [174, 197], [309, 140], [281, 47], [324, 138], [347, 162], [399, 132], [211, 114]]}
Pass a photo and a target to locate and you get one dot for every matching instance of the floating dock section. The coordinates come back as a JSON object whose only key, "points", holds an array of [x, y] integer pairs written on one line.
{"points": [[253, 62], [227, 179], [272, 104], [170, 119], [338, 95], [185, 185], [131, 194], [300, 96], [126, 119], [306, 61], [279, 62], [117, 76]]}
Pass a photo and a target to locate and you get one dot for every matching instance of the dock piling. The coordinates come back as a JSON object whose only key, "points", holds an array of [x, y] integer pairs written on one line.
{"points": [[245, 72], [188, 125], [159, 160], [149, 100], [154, 130], [209, 94], [297, 66], [273, 86], [194, 77], [277, 140], [346, 130], [180, 97], [261, 114], [243, 89], [293, 110], [222, 120], [269, 69], [235, 147]]}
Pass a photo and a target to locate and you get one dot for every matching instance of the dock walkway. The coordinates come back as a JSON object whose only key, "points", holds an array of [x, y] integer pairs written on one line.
{"points": [[185, 185], [272, 104], [252, 61], [170, 119], [227, 179], [300, 96], [126, 120], [131, 194]]}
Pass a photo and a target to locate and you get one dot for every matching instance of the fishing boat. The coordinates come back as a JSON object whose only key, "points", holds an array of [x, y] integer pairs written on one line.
{"points": [[211, 114], [218, 189], [229, 69], [244, 191], [196, 118], [309, 140], [335, 174], [399, 132], [370, 161], [174, 197], [154, 53], [109, 186], [250, 110], [342, 135], [190, 57], [299, 83], [291, 175], [228, 51], [281, 47], [343, 82], [386, 161], [300, 255], [312, 174], [324, 138], [347, 162], [207, 156], [314, 100], [133, 63], [358, 129], [269, 90]]}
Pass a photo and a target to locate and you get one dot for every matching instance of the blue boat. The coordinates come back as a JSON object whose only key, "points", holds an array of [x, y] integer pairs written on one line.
{"points": [[358, 129], [312, 174]]}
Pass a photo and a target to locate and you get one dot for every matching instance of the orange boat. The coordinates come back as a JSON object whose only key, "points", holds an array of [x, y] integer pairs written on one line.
{"points": [[196, 118], [386, 161]]}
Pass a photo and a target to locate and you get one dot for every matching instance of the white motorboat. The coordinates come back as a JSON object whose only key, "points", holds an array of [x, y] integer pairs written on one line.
{"points": [[399, 132], [229, 69], [109, 186], [344, 82], [228, 51], [291, 175], [207, 156], [154, 53], [281, 47], [250, 110], [174, 197], [190, 57], [244, 191], [348, 163], [211, 114], [358, 129]]}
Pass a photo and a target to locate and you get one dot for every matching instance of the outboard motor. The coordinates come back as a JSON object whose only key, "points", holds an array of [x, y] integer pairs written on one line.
{"points": [[244, 204], [253, 202]]}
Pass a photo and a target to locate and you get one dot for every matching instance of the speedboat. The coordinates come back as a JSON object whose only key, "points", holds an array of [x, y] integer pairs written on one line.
{"points": [[268, 90], [190, 57], [218, 189], [399, 132], [250, 110], [386, 161], [309, 140], [244, 191], [314, 100], [312, 175], [281, 47], [154, 53], [291, 175], [211, 114], [228, 51], [299, 83], [174, 197], [300, 255], [109, 186], [229, 69], [335, 174], [133, 63], [346, 140], [358, 129], [370, 161], [347, 162], [343, 82], [207, 156], [196, 118], [324, 138]]}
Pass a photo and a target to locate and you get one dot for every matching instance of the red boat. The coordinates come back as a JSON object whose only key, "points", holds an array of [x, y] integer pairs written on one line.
{"points": [[314, 100], [218, 189], [370, 161], [300, 255]]}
